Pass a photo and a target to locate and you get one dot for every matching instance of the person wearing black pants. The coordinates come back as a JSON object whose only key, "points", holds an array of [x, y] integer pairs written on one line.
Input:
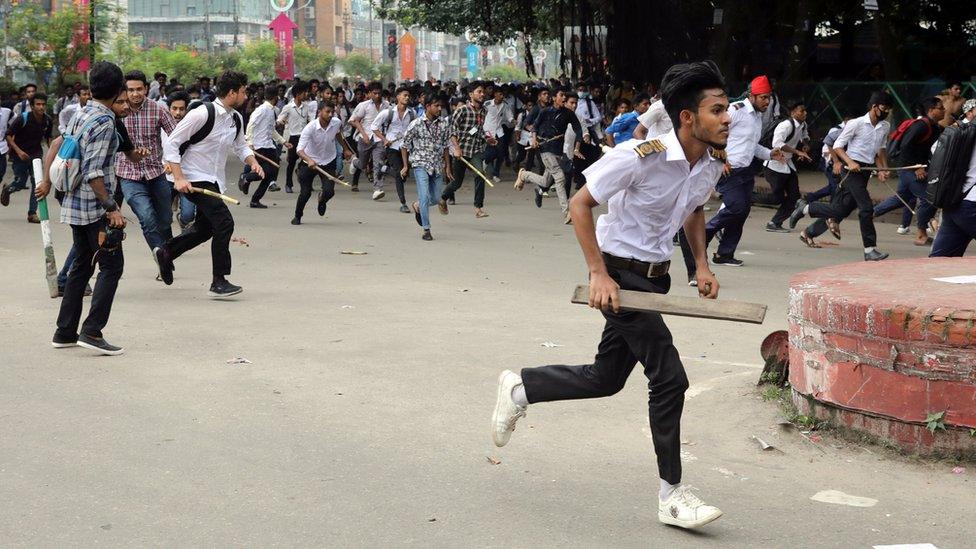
{"points": [[270, 176], [317, 149], [263, 137], [197, 162], [650, 189], [292, 161]]}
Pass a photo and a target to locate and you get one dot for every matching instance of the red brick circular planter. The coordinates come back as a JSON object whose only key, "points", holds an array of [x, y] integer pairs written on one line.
{"points": [[878, 346]]}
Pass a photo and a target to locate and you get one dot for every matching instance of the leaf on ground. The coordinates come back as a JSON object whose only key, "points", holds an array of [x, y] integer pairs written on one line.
{"points": [[493, 461]]}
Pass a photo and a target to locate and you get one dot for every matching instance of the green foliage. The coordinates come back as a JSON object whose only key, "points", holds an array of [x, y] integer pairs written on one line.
{"points": [[358, 66], [972, 433], [504, 73], [257, 60], [385, 72], [311, 62], [934, 422], [7, 87]]}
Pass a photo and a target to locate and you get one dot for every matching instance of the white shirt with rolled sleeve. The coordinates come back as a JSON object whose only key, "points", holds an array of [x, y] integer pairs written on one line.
{"points": [[656, 120], [320, 143], [398, 125], [780, 134], [590, 115], [862, 140], [296, 117], [261, 132], [365, 113], [745, 130], [497, 116], [648, 198], [206, 160]]}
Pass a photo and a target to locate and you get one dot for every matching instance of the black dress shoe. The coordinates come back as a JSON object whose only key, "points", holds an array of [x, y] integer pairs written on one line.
{"points": [[538, 197], [404, 209], [451, 201], [289, 190], [322, 203], [426, 235], [273, 188], [774, 228], [165, 263], [296, 221], [875, 255], [416, 213], [223, 289], [243, 184], [797, 213], [258, 205], [99, 344], [727, 260]]}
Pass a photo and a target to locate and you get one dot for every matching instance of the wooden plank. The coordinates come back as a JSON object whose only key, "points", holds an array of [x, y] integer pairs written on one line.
{"points": [[735, 311]]}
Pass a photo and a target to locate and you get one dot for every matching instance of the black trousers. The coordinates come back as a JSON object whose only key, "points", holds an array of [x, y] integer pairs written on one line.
{"points": [[786, 190], [306, 176], [270, 174], [292, 159], [213, 221], [853, 194], [459, 169], [110, 264], [394, 163], [628, 338]]}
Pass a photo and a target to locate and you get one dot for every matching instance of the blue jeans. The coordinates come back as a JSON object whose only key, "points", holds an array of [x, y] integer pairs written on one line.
{"points": [[188, 210], [911, 190], [339, 159], [23, 172], [66, 268], [736, 189], [151, 201], [828, 190], [958, 229], [428, 192]]}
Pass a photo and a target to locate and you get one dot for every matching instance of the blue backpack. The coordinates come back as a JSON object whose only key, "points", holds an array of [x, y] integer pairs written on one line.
{"points": [[65, 170]]}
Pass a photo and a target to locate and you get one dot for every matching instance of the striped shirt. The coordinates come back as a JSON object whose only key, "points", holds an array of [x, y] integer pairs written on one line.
{"points": [[98, 144], [144, 126]]}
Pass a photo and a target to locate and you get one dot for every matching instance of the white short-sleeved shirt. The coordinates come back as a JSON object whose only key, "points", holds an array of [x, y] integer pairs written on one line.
{"points": [[320, 143], [366, 112], [296, 117], [656, 120], [745, 131], [862, 140], [398, 125], [648, 198], [780, 134]]}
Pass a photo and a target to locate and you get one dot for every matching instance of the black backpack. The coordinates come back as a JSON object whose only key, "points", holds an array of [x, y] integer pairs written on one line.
{"points": [[411, 116], [948, 166], [205, 130], [896, 140], [767, 136]]}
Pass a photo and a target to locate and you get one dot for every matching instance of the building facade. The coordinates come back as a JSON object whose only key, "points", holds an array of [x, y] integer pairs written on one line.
{"points": [[325, 24], [208, 25]]}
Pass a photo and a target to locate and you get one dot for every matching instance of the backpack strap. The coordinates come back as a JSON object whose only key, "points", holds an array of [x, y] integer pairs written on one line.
{"points": [[88, 124], [204, 130]]}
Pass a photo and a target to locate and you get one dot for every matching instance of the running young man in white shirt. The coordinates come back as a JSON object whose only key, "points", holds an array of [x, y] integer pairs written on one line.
{"points": [[781, 175], [651, 189], [367, 153], [198, 161], [294, 117], [262, 136], [317, 149], [388, 128]]}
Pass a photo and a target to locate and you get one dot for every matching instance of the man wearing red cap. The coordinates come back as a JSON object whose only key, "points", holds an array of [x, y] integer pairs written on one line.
{"points": [[740, 170]]}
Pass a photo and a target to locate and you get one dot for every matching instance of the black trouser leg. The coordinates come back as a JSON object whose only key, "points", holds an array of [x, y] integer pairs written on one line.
{"points": [[686, 254], [628, 338], [213, 222], [857, 185], [110, 265], [270, 174], [394, 163], [479, 183], [306, 176], [785, 190], [458, 168], [292, 159]]}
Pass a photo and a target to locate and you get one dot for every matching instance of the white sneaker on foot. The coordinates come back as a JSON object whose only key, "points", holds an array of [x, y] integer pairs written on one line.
{"points": [[506, 411], [378, 195], [903, 230], [683, 509]]}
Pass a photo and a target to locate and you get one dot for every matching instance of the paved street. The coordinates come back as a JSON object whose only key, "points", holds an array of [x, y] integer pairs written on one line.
{"points": [[362, 418]]}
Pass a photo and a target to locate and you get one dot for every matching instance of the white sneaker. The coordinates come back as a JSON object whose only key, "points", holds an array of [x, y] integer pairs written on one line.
{"points": [[378, 195], [506, 411], [685, 510], [496, 179], [903, 230]]}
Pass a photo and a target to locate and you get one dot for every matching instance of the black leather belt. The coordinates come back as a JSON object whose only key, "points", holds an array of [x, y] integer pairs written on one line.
{"points": [[642, 268]]}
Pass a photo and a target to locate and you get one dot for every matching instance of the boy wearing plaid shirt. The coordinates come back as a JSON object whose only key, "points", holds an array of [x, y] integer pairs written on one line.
{"points": [[468, 140]]}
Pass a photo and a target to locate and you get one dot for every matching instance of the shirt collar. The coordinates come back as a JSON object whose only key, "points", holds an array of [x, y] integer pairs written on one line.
{"points": [[220, 104], [674, 149], [95, 105], [748, 105]]}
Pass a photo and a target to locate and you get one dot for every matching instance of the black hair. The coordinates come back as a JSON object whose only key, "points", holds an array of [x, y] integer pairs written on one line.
{"points": [[313, 81], [299, 87], [230, 81], [136, 75], [794, 103], [880, 97], [683, 87], [327, 103], [158, 74], [326, 86], [178, 96], [571, 95], [473, 86], [270, 92], [928, 103], [84, 87], [39, 96], [641, 97], [28, 85], [106, 80], [435, 97], [375, 86], [400, 90]]}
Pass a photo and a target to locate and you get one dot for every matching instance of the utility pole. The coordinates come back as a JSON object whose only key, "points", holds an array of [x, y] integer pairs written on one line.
{"points": [[371, 43], [206, 19], [237, 23]]}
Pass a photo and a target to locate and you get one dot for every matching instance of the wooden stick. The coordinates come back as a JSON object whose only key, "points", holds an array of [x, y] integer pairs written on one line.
{"points": [[544, 141], [223, 197], [327, 174], [260, 156], [900, 169], [735, 311], [476, 171]]}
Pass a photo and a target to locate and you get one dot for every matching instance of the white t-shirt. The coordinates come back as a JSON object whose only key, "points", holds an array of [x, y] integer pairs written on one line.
{"points": [[656, 120]]}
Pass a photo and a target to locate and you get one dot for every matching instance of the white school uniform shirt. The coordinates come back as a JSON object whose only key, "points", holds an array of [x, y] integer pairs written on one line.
{"points": [[525, 137], [397, 128], [496, 118], [65, 115], [5, 115], [261, 132], [366, 112], [320, 143], [206, 160], [588, 111], [656, 120], [780, 134], [295, 117], [833, 133], [862, 140], [745, 130], [648, 198]]}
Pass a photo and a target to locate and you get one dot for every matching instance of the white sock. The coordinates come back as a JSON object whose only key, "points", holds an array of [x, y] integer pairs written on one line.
{"points": [[518, 395], [869, 250], [666, 489], [806, 210]]}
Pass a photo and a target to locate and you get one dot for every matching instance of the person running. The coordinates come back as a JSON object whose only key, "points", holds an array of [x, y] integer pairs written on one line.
{"points": [[861, 143], [650, 189], [198, 162], [144, 184], [388, 128], [781, 175], [294, 117], [369, 156], [498, 116], [264, 139], [551, 127], [425, 150], [70, 109], [468, 142], [26, 135], [317, 149]]}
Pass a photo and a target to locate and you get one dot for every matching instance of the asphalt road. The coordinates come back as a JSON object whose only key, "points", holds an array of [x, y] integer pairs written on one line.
{"points": [[361, 419]]}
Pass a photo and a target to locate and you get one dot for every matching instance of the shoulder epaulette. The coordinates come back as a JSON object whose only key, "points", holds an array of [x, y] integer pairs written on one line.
{"points": [[650, 147], [738, 105], [719, 155]]}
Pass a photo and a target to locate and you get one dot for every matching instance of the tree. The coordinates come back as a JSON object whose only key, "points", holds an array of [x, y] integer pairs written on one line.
{"points": [[311, 62], [256, 59], [358, 66], [58, 40], [504, 73]]}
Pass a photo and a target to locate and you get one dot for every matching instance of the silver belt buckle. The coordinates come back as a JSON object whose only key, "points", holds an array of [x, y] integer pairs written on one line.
{"points": [[650, 270]]}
